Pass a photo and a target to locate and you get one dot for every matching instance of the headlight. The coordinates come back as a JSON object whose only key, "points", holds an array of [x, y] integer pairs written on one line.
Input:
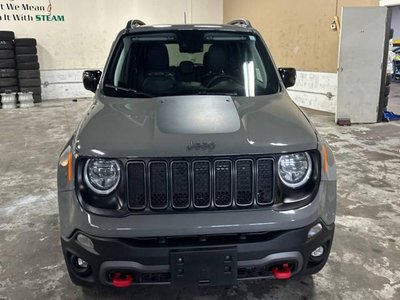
{"points": [[102, 175], [295, 169]]}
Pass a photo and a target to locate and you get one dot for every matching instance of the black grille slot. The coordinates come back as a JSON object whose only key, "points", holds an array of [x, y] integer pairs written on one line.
{"points": [[201, 186], [136, 187], [180, 185], [158, 185], [264, 181], [244, 182], [223, 183]]}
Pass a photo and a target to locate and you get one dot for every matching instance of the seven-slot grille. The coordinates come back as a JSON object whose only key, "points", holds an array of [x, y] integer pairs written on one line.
{"points": [[200, 184]]}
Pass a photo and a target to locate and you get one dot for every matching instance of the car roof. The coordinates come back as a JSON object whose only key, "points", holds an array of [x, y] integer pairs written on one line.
{"points": [[205, 27]]}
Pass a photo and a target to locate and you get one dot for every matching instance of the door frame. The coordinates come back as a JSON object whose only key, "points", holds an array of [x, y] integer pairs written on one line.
{"points": [[384, 64]]}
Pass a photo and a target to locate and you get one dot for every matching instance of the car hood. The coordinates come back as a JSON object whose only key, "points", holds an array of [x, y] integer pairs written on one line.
{"points": [[193, 126]]}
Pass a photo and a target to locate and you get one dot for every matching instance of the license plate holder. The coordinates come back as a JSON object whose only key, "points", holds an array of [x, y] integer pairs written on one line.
{"points": [[211, 267]]}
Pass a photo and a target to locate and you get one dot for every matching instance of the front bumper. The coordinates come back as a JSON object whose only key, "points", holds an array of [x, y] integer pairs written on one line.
{"points": [[149, 260]]}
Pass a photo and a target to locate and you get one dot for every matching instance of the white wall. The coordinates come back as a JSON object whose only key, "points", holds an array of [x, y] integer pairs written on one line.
{"points": [[207, 11], [83, 39], [315, 90]]}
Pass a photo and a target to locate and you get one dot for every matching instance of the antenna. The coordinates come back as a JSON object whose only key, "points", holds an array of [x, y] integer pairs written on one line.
{"points": [[184, 17]]}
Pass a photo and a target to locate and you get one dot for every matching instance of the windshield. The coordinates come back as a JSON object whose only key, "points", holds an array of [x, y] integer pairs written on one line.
{"points": [[190, 63]]}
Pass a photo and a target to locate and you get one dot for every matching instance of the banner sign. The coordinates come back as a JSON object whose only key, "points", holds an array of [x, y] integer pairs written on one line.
{"points": [[29, 12]]}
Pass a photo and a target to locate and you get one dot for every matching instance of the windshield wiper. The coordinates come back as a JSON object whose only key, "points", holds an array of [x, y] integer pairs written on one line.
{"points": [[131, 91]]}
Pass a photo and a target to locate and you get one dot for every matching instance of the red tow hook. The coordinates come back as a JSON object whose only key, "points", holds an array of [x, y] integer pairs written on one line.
{"points": [[122, 280], [284, 273]]}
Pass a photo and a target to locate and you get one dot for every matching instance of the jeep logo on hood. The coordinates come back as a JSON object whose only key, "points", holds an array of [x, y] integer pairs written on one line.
{"points": [[201, 146]]}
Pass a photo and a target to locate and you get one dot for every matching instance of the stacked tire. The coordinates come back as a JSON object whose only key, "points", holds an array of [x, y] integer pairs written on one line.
{"points": [[28, 67], [8, 74]]}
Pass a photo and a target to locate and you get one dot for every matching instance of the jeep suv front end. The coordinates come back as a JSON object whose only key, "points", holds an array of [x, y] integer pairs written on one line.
{"points": [[193, 166]]}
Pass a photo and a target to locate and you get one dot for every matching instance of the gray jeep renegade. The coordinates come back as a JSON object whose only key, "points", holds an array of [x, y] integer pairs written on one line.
{"points": [[193, 166]]}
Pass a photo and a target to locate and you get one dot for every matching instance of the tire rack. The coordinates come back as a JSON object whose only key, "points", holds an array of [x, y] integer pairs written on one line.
{"points": [[19, 66]]}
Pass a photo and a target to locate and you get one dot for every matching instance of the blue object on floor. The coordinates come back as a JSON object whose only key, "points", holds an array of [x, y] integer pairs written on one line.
{"points": [[390, 116]]}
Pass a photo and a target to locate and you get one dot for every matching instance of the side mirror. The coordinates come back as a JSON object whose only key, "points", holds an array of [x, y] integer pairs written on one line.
{"points": [[288, 76], [91, 80]]}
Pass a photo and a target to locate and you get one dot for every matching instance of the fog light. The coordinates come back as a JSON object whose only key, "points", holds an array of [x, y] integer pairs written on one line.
{"points": [[318, 252], [82, 263], [85, 241], [314, 230], [80, 266]]}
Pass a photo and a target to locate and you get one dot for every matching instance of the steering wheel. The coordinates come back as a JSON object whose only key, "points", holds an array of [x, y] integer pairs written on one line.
{"points": [[222, 77]]}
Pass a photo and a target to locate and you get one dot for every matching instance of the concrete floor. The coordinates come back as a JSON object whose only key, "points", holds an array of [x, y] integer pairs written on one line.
{"points": [[364, 262]]}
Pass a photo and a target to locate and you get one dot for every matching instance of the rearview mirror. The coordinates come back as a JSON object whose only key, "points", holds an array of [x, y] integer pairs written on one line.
{"points": [[288, 76], [91, 79]]}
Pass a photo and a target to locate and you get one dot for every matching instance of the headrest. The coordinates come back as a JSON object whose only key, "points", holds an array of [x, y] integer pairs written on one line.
{"points": [[157, 57], [216, 60], [186, 67]]}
